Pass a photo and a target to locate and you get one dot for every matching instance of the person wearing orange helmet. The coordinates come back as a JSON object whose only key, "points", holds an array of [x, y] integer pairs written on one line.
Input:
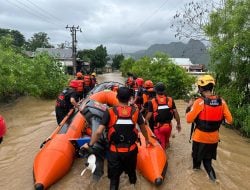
{"points": [[3, 128], [66, 100], [138, 92], [79, 89], [208, 113], [87, 83], [148, 93]]}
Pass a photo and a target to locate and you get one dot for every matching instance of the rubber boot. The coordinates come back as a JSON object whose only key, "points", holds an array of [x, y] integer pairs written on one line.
{"points": [[114, 183]]}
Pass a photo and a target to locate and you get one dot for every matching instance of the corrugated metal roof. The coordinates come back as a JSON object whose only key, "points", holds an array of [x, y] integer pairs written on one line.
{"points": [[56, 52]]}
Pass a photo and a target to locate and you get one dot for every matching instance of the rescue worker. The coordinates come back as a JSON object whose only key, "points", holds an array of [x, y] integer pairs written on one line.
{"points": [[162, 108], [79, 90], [120, 122], [87, 84], [3, 128], [207, 112], [148, 93], [93, 80], [66, 100], [138, 92]]}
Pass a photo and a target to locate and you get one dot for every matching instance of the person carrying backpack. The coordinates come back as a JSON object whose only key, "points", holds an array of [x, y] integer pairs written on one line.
{"points": [[66, 100], [208, 113], [120, 122], [162, 108]]}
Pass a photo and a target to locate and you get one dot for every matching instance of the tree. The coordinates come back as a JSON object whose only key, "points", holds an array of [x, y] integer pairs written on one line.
{"points": [[127, 65], [38, 40], [18, 38], [101, 57], [229, 33], [117, 60], [190, 21], [161, 69]]}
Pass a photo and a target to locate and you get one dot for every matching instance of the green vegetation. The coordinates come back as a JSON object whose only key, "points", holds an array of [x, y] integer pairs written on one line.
{"points": [[41, 76], [160, 68], [117, 61], [98, 57], [229, 33]]}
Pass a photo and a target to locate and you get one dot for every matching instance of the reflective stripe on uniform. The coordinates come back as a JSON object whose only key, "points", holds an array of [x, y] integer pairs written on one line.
{"points": [[162, 107], [124, 122]]}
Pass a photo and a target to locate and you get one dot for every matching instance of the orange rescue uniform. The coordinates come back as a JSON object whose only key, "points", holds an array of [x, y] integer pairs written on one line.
{"points": [[202, 136]]}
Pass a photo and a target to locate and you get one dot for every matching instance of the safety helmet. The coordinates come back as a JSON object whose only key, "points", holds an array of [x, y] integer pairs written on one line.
{"points": [[73, 84], [148, 84], [93, 74], [160, 87], [3, 127], [205, 80], [79, 75], [139, 81]]}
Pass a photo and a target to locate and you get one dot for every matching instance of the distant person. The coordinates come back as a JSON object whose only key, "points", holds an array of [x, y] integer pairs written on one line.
{"points": [[138, 92], [87, 84], [162, 108], [207, 112], [148, 93], [66, 100], [93, 80], [3, 128], [120, 121], [79, 89]]}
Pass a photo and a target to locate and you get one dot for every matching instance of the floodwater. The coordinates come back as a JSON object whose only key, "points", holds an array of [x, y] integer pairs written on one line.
{"points": [[30, 121]]}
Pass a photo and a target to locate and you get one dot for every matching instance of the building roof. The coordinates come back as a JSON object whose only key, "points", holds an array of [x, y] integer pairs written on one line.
{"points": [[56, 52], [181, 61]]}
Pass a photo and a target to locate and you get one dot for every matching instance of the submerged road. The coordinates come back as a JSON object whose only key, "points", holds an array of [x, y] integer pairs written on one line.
{"points": [[30, 121]]}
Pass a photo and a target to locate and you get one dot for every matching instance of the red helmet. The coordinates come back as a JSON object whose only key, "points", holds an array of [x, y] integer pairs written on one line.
{"points": [[148, 84], [79, 75], [2, 126], [73, 84], [139, 81]]}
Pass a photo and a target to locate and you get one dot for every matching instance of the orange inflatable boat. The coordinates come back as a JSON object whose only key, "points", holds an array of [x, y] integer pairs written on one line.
{"points": [[152, 159], [57, 153], [56, 156]]}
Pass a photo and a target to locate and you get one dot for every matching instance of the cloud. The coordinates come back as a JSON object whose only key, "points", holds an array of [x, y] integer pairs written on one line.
{"points": [[119, 25]]}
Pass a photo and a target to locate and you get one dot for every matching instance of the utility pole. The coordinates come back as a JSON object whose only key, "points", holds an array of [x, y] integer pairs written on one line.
{"points": [[73, 30]]}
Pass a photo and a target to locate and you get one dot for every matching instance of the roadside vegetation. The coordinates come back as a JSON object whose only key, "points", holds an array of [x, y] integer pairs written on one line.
{"points": [[41, 76], [160, 68]]}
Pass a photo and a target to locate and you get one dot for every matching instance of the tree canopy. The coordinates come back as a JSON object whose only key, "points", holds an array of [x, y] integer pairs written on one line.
{"points": [[18, 38], [117, 61], [229, 33], [38, 40], [161, 69]]}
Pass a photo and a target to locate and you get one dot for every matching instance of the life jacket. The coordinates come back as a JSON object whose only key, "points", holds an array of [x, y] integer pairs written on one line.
{"points": [[162, 109], [122, 132], [210, 118], [63, 100], [87, 80], [80, 85], [146, 96]]}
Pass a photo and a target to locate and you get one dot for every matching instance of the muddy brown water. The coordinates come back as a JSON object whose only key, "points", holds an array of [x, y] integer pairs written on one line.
{"points": [[30, 121]]}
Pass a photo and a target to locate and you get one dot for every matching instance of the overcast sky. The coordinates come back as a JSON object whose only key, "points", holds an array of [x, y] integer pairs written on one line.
{"points": [[120, 25]]}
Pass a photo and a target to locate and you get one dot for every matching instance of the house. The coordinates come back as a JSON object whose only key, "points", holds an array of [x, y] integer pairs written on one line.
{"points": [[182, 62], [62, 55], [197, 68]]}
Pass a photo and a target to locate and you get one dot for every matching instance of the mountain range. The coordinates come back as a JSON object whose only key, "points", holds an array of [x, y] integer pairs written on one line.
{"points": [[195, 50]]}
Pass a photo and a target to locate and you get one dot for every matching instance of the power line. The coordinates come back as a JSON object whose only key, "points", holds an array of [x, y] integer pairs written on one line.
{"points": [[27, 10], [45, 12]]}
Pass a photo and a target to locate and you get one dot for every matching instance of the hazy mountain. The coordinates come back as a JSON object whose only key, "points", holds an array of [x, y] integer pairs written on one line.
{"points": [[194, 49]]}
